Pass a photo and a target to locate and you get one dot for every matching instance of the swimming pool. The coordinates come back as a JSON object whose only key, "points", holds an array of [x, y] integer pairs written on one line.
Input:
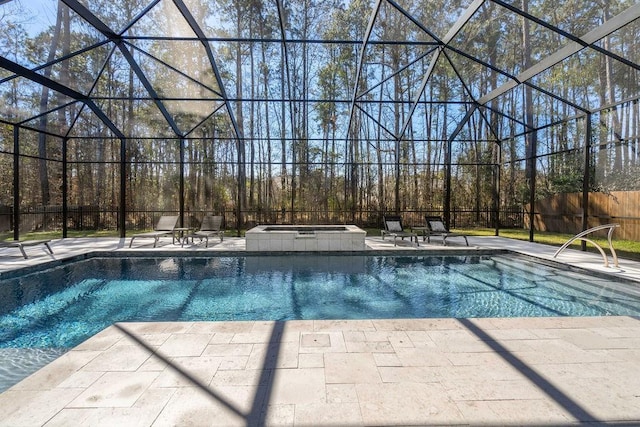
{"points": [[49, 311]]}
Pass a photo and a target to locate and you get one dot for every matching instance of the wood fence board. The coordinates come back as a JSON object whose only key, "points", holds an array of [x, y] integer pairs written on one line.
{"points": [[563, 213]]}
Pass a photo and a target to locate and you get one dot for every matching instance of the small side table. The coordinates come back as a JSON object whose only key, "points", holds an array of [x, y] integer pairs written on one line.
{"points": [[421, 230], [180, 233]]}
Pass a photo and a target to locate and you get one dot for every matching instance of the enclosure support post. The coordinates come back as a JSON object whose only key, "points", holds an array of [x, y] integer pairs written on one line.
{"points": [[496, 189], [447, 184], [396, 190], [181, 189], [16, 183], [531, 159], [122, 221], [293, 179], [65, 188], [586, 180]]}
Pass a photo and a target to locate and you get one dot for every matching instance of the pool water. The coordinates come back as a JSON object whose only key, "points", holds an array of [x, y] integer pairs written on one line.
{"points": [[61, 307], [58, 308]]}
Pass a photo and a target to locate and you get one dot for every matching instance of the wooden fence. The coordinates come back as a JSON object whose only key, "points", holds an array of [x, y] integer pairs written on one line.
{"points": [[563, 213]]}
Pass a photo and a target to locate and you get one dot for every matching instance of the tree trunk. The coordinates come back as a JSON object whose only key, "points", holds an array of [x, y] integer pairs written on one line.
{"points": [[252, 149], [44, 102]]}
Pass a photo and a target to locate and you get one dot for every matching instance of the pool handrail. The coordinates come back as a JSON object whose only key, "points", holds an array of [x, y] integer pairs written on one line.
{"points": [[580, 236]]}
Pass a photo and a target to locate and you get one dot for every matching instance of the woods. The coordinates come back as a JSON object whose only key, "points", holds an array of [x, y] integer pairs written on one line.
{"points": [[313, 111]]}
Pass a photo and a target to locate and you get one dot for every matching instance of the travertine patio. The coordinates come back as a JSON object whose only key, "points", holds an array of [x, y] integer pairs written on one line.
{"points": [[535, 371]]}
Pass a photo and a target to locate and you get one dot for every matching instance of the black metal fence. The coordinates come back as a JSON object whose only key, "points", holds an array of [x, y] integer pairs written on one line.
{"points": [[93, 219]]}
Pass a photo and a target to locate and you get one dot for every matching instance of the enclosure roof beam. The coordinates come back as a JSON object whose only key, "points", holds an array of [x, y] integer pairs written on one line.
{"points": [[67, 91], [412, 18], [503, 114], [138, 17], [186, 13], [395, 73], [149, 87], [513, 81], [285, 54], [92, 19], [462, 21], [470, 95], [24, 122], [234, 39], [581, 41], [383, 127], [423, 86], [215, 110], [573, 47], [367, 36], [455, 29], [62, 58], [277, 100], [177, 71], [463, 122]]}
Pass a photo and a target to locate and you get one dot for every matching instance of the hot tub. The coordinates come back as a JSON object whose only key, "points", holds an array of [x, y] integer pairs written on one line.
{"points": [[298, 238]]}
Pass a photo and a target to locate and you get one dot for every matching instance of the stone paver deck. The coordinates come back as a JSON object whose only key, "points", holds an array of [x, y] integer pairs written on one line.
{"points": [[544, 371], [522, 371]]}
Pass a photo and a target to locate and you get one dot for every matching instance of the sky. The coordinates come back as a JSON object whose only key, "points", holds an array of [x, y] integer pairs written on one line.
{"points": [[33, 14]]}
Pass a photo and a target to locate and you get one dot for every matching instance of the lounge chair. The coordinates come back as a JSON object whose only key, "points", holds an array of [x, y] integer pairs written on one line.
{"points": [[165, 227], [393, 227], [22, 245], [211, 226], [435, 227]]}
